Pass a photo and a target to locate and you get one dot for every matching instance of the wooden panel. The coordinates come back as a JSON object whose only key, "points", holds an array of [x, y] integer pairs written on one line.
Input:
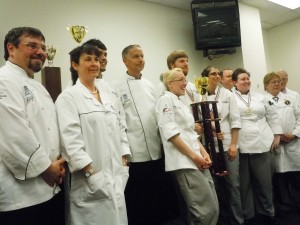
{"points": [[51, 81]]}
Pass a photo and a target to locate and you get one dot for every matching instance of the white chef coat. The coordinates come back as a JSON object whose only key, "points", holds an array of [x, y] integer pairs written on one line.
{"points": [[90, 133], [174, 117], [287, 156], [228, 113], [260, 122], [29, 139], [138, 101], [104, 86], [294, 94]]}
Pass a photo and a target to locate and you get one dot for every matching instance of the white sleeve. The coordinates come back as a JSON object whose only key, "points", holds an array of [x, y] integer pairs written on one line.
{"points": [[71, 133], [20, 150]]}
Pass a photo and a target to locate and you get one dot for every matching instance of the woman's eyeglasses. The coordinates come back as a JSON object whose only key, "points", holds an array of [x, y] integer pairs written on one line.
{"points": [[181, 80], [214, 74]]}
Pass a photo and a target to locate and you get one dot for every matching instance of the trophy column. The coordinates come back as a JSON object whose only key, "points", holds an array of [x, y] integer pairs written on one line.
{"points": [[51, 81], [202, 114]]}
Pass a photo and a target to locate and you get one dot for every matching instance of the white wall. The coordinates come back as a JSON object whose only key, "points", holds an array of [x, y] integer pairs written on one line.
{"points": [[284, 51], [118, 23], [252, 44]]}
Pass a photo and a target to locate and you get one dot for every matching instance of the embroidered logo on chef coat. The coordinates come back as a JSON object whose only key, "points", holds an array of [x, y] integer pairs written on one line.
{"points": [[28, 94], [125, 98], [167, 110]]}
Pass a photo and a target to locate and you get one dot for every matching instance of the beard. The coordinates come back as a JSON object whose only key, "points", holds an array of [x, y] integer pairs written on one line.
{"points": [[34, 65]]}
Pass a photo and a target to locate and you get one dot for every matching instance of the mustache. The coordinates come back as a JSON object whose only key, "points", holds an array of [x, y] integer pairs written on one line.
{"points": [[38, 56]]}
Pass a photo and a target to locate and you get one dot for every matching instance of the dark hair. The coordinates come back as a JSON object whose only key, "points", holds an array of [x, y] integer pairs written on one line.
{"points": [[206, 71], [95, 42], [75, 56], [13, 36], [237, 72]]}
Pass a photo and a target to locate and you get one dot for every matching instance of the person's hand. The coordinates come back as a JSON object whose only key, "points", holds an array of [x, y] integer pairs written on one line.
{"points": [[276, 142], [124, 160], [220, 136], [199, 128], [202, 161], [232, 152], [55, 173], [287, 138]]}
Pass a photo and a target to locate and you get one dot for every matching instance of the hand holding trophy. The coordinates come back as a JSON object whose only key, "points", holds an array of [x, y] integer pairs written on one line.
{"points": [[78, 32], [206, 112], [51, 52]]}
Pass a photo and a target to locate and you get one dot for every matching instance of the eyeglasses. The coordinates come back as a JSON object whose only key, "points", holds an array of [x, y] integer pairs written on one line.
{"points": [[181, 80], [275, 82], [214, 74], [32, 46]]}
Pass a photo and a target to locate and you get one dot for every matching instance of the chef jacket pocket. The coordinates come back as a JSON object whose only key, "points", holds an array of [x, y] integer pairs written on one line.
{"points": [[98, 187]]}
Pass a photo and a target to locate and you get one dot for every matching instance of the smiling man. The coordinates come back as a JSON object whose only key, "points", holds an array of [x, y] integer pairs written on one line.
{"points": [[30, 163]]}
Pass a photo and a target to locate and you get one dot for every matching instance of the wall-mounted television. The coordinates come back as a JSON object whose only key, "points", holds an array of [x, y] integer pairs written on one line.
{"points": [[216, 25]]}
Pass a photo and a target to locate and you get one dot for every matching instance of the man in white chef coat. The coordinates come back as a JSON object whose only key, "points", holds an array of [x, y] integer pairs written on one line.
{"points": [[30, 165], [143, 190]]}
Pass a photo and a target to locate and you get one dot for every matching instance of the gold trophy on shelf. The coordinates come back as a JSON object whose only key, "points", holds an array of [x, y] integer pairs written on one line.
{"points": [[51, 52], [78, 32], [206, 113]]}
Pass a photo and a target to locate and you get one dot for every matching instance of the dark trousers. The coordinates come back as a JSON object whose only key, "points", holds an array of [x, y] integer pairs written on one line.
{"points": [[50, 212], [146, 195], [286, 191]]}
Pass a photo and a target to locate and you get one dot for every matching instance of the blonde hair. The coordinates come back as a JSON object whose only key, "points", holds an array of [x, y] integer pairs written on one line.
{"points": [[170, 75], [268, 77]]}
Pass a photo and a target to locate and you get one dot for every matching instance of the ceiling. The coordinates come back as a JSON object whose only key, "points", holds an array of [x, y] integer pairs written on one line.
{"points": [[271, 14]]}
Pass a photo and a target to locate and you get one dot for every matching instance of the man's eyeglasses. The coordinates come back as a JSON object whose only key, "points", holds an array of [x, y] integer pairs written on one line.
{"points": [[32, 46], [181, 80], [214, 74]]}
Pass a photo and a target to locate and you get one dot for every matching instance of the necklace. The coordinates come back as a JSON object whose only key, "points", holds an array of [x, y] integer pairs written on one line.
{"points": [[94, 92], [247, 103]]}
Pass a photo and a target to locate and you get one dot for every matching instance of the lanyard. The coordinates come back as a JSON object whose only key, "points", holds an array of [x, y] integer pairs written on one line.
{"points": [[247, 103]]}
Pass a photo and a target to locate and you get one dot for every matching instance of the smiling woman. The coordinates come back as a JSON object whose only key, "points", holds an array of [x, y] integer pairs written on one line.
{"points": [[185, 157], [175, 81], [89, 126], [260, 134]]}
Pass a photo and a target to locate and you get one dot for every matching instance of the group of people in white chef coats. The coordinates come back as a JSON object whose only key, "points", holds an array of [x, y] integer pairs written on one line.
{"points": [[257, 142], [99, 131]]}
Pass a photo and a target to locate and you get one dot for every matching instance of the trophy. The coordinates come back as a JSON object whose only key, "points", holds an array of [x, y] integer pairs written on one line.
{"points": [[206, 112], [78, 32], [51, 52]]}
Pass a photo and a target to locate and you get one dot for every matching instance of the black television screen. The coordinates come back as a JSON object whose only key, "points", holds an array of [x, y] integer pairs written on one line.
{"points": [[216, 27]]}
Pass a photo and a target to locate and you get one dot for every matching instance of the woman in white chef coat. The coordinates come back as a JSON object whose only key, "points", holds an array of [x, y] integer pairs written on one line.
{"points": [[90, 133], [286, 177], [259, 134], [227, 187], [185, 157]]}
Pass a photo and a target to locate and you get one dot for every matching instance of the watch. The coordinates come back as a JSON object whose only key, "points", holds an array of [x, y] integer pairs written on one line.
{"points": [[89, 173]]}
